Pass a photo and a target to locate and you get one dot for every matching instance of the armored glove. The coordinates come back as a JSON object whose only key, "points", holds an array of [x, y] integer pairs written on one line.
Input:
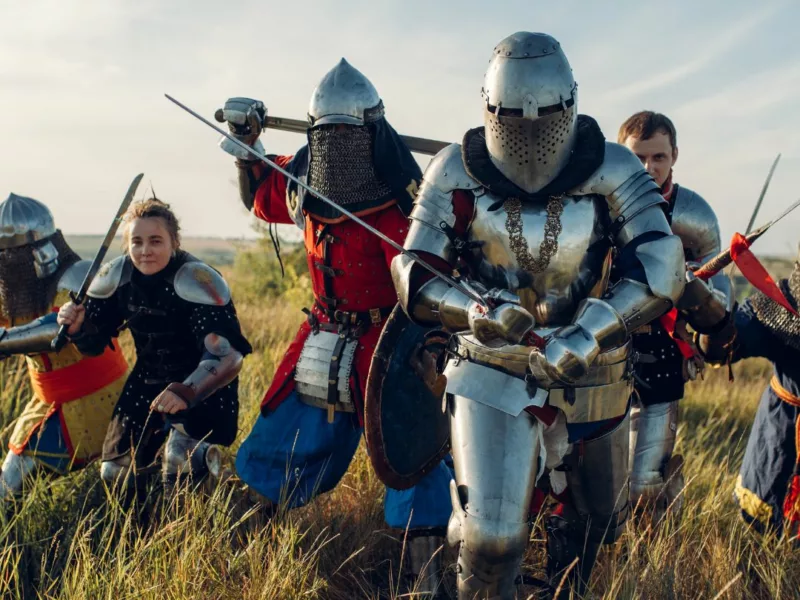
{"points": [[706, 308], [507, 323], [246, 119], [567, 356]]}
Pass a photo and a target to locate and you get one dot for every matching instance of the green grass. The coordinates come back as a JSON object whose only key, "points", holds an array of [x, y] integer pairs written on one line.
{"points": [[68, 539]]}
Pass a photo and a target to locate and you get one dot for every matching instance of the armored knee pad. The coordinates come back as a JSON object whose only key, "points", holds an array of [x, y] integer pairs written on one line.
{"points": [[185, 456], [597, 478], [16, 468]]}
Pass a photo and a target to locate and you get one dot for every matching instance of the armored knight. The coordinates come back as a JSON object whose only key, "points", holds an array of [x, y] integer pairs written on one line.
{"points": [[768, 487], [183, 390], [533, 209], [666, 357], [312, 414], [62, 427]]}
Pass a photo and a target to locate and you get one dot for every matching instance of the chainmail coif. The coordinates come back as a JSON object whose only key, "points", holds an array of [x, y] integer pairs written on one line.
{"points": [[341, 165], [779, 321], [23, 296]]}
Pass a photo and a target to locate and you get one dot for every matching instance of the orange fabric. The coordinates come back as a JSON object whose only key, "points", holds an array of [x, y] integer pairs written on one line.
{"points": [[783, 393], [85, 377]]}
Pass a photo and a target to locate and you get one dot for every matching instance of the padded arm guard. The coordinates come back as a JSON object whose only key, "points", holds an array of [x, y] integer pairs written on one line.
{"points": [[219, 366]]}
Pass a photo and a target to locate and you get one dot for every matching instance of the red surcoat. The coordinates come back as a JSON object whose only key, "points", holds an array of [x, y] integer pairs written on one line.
{"points": [[361, 278]]}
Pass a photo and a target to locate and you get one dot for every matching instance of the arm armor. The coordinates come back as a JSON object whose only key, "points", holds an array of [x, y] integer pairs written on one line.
{"points": [[219, 366], [433, 213], [638, 228], [32, 338], [705, 307]]}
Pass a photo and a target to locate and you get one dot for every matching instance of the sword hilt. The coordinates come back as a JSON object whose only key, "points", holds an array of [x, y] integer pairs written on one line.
{"points": [[61, 337]]}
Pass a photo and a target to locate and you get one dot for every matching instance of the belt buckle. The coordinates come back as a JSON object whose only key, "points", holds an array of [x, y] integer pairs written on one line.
{"points": [[375, 316]]}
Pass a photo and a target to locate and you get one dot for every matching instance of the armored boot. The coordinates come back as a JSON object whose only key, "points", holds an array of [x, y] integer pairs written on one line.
{"points": [[424, 559], [570, 558]]}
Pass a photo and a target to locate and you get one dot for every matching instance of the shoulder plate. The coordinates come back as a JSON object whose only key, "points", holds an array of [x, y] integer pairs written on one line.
{"points": [[696, 223], [447, 172], [110, 277], [619, 165], [72, 279], [198, 283], [433, 206]]}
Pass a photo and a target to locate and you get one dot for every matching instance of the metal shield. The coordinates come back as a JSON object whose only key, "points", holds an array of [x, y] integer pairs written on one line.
{"points": [[406, 424]]}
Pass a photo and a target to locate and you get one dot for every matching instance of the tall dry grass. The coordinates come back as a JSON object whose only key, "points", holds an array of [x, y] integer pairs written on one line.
{"points": [[69, 539]]}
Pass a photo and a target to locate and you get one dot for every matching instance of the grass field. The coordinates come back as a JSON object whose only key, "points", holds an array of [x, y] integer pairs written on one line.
{"points": [[67, 538]]}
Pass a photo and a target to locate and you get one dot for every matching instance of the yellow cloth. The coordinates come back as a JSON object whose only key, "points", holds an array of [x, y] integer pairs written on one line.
{"points": [[750, 503], [83, 421]]}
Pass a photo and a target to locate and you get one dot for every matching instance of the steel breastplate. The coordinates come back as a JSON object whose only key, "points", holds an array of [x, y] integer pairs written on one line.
{"points": [[513, 239]]}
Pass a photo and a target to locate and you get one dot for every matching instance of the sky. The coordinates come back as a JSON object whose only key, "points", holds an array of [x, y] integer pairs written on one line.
{"points": [[82, 84]]}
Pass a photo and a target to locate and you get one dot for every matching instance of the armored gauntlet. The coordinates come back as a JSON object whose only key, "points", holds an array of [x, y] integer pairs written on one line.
{"points": [[246, 118]]}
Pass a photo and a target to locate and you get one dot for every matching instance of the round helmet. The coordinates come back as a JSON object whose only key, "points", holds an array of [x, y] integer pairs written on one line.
{"points": [[344, 96], [531, 109], [28, 222]]}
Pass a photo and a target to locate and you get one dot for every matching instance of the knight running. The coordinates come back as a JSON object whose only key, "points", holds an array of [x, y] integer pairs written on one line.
{"points": [[312, 414], [534, 209]]}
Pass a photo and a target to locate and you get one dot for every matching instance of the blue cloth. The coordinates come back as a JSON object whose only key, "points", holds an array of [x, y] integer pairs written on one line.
{"points": [[770, 457], [48, 446], [294, 454]]}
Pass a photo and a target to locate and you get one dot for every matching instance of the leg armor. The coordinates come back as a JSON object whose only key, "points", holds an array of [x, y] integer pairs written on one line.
{"points": [[185, 456], [425, 563], [16, 468], [653, 433], [597, 477], [496, 461]]}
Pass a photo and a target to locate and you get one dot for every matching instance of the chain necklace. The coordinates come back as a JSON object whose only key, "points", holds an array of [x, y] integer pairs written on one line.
{"points": [[519, 245]]}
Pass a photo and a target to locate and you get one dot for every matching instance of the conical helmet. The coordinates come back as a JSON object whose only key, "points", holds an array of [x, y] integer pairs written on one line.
{"points": [[344, 96]]}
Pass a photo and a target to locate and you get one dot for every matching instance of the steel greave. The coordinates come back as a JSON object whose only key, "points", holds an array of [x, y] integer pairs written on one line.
{"points": [[496, 461], [652, 441]]}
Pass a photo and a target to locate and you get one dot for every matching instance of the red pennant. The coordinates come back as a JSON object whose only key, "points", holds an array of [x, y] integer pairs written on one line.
{"points": [[755, 272], [790, 501], [668, 321]]}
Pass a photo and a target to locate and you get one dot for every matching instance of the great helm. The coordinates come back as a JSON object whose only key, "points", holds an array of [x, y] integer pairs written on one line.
{"points": [[531, 109], [28, 222], [344, 96]]}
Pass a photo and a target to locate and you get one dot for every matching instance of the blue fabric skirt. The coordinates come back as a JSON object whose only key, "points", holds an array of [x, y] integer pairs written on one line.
{"points": [[294, 454]]}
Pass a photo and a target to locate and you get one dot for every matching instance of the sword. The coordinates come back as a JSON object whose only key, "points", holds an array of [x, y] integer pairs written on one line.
{"points": [[446, 278], [61, 338], [762, 194], [415, 144]]}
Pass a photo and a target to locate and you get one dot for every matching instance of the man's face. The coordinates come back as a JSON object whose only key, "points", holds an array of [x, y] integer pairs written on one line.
{"points": [[656, 153]]}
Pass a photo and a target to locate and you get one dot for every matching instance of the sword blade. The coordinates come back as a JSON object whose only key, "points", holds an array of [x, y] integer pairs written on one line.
{"points": [[60, 339], [415, 144], [448, 279], [762, 194]]}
